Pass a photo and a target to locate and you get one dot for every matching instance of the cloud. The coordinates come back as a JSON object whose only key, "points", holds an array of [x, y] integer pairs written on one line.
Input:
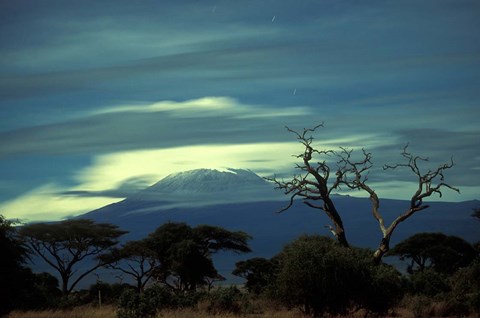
{"points": [[125, 172], [210, 106], [45, 203], [110, 171], [120, 174], [123, 190], [209, 120]]}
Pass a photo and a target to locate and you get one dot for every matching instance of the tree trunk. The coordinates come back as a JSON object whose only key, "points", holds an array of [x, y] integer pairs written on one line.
{"points": [[382, 249], [139, 285], [65, 290], [333, 214]]}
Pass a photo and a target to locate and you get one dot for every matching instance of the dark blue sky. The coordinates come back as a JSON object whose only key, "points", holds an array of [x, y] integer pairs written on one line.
{"points": [[94, 94]]}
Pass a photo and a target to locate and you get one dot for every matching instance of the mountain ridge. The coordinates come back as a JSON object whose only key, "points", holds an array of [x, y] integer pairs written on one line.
{"points": [[253, 209], [190, 194]]}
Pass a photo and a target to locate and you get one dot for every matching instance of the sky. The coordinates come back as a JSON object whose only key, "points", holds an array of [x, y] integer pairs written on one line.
{"points": [[104, 98]]}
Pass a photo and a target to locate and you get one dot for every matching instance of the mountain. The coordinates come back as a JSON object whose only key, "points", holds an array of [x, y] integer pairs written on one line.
{"points": [[195, 188], [241, 200]]}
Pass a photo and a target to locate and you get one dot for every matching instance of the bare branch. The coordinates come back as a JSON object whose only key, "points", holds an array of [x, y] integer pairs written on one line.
{"points": [[352, 172], [312, 185], [426, 187]]}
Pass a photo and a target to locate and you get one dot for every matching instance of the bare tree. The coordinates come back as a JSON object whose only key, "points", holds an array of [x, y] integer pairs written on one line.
{"points": [[314, 185], [428, 183]]}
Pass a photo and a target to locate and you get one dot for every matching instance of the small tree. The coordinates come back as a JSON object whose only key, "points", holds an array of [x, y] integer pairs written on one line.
{"points": [[134, 259], [64, 245], [324, 172], [443, 253], [184, 253], [259, 273]]}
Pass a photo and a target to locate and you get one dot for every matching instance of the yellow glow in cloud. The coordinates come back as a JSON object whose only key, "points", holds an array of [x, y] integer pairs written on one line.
{"points": [[109, 171], [46, 204]]}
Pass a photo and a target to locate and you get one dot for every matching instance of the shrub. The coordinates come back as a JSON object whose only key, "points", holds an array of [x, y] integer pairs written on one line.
{"points": [[155, 298], [465, 285], [429, 282], [130, 305], [226, 300], [323, 277]]}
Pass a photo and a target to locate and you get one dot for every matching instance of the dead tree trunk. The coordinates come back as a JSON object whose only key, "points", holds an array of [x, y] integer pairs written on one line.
{"points": [[312, 186], [426, 188]]}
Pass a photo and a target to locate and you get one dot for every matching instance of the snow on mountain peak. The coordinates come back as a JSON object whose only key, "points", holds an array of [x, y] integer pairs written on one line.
{"points": [[209, 185], [207, 180]]}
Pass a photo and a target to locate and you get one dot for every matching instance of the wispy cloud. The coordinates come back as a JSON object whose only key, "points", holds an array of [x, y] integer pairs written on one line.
{"points": [[108, 176], [212, 106], [210, 120], [92, 80]]}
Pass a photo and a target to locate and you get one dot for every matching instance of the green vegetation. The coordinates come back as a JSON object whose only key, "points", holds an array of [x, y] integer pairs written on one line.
{"points": [[173, 275], [320, 276]]}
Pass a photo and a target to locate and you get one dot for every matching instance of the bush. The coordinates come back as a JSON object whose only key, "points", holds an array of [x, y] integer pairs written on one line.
{"points": [[465, 285], [429, 282], [226, 300], [157, 297], [110, 293], [323, 277], [130, 305], [383, 287]]}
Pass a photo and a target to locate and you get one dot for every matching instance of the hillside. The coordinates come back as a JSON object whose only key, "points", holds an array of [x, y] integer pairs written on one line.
{"points": [[240, 200]]}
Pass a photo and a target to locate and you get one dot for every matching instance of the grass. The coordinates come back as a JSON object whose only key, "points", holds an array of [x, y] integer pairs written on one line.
{"points": [[110, 312], [411, 307], [77, 312]]}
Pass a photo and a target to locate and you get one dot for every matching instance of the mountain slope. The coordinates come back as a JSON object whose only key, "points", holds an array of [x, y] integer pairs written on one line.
{"points": [[195, 188], [240, 200]]}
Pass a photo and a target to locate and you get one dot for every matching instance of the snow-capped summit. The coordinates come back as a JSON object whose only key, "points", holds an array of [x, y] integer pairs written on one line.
{"points": [[208, 180], [207, 186]]}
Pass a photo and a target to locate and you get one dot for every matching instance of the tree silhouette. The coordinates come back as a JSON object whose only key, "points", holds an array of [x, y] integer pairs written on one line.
{"points": [[64, 245], [443, 253], [184, 253], [259, 273], [134, 259], [14, 276]]}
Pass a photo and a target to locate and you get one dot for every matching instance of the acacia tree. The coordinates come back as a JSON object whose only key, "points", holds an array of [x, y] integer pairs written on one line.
{"points": [[259, 272], [134, 259], [315, 184], [443, 253], [184, 253], [64, 245]]}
